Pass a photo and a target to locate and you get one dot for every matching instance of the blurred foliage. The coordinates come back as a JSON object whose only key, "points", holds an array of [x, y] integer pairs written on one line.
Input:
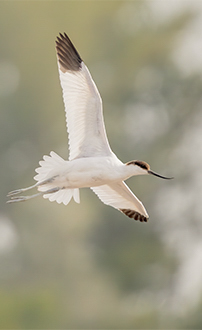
{"points": [[88, 266]]}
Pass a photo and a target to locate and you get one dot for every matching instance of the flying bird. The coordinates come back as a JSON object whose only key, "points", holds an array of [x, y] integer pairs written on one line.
{"points": [[91, 161]]}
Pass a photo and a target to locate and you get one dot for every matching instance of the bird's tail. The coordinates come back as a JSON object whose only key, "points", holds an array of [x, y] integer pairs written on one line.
{"points": [[48, 183]]}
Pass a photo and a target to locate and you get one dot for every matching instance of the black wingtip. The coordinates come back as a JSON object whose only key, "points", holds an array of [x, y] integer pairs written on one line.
{"points": [[134, 215], [68, 57]]}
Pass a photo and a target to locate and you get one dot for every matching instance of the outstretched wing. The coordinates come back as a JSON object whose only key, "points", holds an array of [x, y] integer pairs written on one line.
{"points": [[83, 104], [121, 197]]}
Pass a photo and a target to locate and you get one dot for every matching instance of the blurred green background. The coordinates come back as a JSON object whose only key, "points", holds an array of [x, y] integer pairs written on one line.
{"points": [[89, 266]]}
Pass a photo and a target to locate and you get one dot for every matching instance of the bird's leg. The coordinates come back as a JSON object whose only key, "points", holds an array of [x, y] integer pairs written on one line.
{"points": [[18, 191], [22, 198], [25, 198]]}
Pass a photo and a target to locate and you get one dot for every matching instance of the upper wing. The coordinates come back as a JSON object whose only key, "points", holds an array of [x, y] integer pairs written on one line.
{"points": [[121, 197], [83, 104]]}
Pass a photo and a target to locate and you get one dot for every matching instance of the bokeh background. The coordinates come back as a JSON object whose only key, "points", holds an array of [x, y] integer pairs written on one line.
{"points": [[88, 265]]}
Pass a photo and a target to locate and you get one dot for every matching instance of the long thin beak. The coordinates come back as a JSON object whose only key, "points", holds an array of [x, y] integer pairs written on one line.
{"points": [[160, 176]]}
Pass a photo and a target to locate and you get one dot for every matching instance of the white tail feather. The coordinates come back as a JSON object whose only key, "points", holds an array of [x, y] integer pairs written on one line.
{"points": [[76, 195], [61, 196], [50, 167]]}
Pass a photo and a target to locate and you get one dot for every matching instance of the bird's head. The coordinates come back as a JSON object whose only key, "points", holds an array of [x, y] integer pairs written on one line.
{"points": [[142, 167]]}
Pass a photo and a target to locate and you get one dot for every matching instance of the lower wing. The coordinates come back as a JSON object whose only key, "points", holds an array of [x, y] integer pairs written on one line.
{"points": [[119, 196]]}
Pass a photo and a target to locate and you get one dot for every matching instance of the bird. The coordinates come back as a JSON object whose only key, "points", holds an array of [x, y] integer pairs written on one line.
{"points": [[91, 161]]}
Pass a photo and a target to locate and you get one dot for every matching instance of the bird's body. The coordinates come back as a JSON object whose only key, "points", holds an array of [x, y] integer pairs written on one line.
{"points": [[89, 172], [86, 172], [91, 161]]}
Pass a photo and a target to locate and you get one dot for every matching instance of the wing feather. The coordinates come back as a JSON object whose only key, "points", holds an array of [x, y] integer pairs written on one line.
{"points": [[83, 104], [119, 196]]}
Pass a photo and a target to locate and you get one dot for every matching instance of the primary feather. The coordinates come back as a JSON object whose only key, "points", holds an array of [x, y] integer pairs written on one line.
{"points": [[83, 104]]}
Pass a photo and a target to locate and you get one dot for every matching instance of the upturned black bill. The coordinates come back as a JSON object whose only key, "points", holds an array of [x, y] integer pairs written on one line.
{"points": [[160, 176]]}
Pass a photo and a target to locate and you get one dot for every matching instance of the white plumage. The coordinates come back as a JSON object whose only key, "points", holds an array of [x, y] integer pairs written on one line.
{"points": [[84, 118], [91, 161]]}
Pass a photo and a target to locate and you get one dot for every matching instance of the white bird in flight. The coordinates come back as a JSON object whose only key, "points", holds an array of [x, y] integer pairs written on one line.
{"points": [[91, 161]]}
